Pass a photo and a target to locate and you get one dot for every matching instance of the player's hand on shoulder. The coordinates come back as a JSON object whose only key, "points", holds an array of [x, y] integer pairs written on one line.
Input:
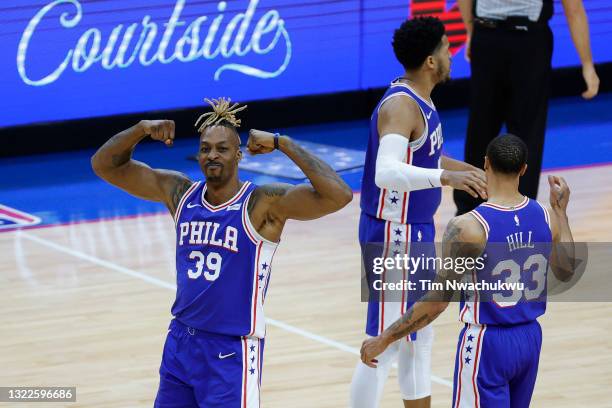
{"points": [[474, 182], [260, 142], [559, 193], [161, 130]]}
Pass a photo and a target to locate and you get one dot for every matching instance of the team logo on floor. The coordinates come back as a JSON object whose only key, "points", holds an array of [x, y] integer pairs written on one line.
{"points": [[12, 218]]}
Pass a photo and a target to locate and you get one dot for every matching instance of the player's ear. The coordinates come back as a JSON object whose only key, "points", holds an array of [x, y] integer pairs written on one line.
{"points": [[523, 170], [430, 61], [486, 163], [239, 154]]}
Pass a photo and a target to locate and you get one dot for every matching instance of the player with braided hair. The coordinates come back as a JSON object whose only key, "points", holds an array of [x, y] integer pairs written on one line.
{"points": [[227, 231]]}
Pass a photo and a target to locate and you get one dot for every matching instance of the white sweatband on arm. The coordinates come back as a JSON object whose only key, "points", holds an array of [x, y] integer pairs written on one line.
{"points": [[393, 173]]}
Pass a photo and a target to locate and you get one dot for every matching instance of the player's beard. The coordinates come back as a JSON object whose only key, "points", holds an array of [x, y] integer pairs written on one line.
{"points": [[442, 70], [443, 74], [214, 176]]}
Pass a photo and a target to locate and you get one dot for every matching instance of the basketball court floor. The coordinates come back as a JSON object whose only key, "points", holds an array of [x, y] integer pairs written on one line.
{"points": [[85, 295]]}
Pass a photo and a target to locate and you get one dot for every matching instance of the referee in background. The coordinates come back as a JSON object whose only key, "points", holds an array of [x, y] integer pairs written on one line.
{"points": [[510, 47]]}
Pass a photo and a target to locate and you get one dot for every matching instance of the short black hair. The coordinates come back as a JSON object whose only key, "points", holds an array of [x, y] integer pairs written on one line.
{"points": [[507, 154], [416, 39]]}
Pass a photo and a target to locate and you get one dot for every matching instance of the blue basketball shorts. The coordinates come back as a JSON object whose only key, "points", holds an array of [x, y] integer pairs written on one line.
{"points": [[496, 366], [201, 369]]}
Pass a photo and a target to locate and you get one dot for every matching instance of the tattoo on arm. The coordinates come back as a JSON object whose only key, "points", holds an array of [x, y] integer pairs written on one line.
{"points": [[179, 189], [268, 190], [316, 165], [408, 324], [420, 315]]}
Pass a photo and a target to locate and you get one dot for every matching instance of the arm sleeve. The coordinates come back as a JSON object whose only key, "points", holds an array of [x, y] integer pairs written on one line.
{"points": [[393, 174]]}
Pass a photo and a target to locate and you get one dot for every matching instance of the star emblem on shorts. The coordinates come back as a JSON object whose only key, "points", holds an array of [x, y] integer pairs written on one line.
{"points": [[398, 232], [252, 370], [261, 276], [264, 266], [470, 338], [252, 348], [468, 349], [394, 200], [467, 360]]}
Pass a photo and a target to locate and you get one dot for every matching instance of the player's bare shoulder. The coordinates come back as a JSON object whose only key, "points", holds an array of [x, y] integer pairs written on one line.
{"points": [[260, 209], [174, 184], [401, 115], [264, 196], [465, 236]]}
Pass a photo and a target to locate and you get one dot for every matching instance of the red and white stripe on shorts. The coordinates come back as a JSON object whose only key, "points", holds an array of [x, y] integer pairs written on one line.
{"points": [[469, 354]]}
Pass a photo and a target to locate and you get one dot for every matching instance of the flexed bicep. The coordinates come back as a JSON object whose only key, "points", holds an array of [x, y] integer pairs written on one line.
{"points": [[303, 202]]}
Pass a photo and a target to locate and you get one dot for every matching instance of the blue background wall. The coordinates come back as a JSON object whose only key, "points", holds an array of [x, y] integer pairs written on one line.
{"points": [[313, 46]]}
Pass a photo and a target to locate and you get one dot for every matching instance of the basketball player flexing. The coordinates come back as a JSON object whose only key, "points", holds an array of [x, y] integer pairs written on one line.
{"points": [[499, 347], [404, 170], [227, 231]]}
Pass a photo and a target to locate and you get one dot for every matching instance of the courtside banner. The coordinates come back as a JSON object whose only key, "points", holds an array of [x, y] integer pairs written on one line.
{"points": [[69, 59]]}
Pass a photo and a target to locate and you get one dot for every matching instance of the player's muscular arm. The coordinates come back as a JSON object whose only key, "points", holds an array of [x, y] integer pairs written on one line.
{"points": [[400, 115], [562, 257], [448, 163], [113, 163], [327, 192], [463, 238], [400, 121]]}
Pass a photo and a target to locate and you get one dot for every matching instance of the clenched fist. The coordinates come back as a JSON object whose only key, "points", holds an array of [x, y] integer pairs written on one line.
{"points": [[559, 193], [162, 130], [260, 142]]}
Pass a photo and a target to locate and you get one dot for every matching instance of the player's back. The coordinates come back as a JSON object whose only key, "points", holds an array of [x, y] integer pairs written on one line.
{"points": [[399, 206], [515, 263], [223, 265]]}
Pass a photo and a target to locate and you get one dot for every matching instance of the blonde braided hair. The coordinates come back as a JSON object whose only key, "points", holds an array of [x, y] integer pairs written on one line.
{"points": [[222, 112]]}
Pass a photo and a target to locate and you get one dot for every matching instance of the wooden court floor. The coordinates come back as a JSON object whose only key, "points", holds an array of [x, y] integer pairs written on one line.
{"points": [[87, 305]]}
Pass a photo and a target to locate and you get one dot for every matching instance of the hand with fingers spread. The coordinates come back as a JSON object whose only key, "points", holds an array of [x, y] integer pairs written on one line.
{"points": [[372, 348], [474, 182], [559, 193], [162, 130], [260, 142]]}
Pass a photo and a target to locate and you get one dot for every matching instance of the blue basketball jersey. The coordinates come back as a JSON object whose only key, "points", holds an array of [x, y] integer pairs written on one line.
{"points": [[222, 265], [402, 206], [515, 264]]}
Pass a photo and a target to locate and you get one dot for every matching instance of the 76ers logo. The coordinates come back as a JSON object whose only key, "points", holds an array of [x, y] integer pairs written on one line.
{"points": [[450, 17]]}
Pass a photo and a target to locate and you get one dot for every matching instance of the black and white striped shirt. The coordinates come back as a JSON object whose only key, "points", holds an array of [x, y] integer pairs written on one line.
{"points": [[502, 9]]}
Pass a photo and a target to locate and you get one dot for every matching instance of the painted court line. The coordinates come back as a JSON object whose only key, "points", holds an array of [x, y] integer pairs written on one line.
{"points": [[171, 286]]}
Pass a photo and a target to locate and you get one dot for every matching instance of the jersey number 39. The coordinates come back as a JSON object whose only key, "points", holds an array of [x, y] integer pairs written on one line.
{"points": [[213, 265]]}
